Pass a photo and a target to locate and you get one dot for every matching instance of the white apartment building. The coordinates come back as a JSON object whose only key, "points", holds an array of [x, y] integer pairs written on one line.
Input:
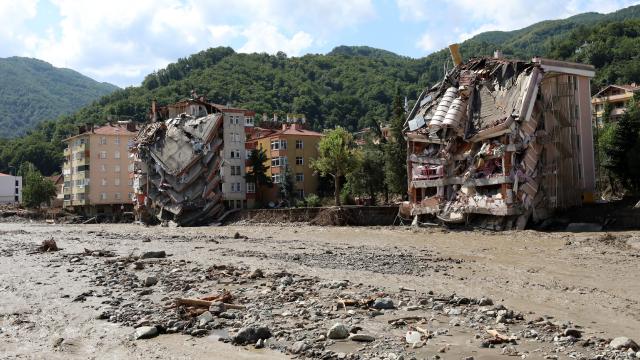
{"points": [[10, 189]]}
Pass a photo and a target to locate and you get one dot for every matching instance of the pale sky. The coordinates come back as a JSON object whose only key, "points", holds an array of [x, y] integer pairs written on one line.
{"points": [[120, 41]]}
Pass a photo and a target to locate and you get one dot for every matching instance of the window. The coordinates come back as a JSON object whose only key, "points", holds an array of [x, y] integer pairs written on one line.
{"points": [[300, 193], [103, 140], [103, 196], [299, 160], [248, 154], [251, 188], [116, 168], [248, 121], [235, 137], [299, 177], [235, 171], [235, 154], [238, 204], [79, 183], [103, 167], [117, 140], [117, 196], [278, 144], [116, 155], [130, 183], [102, 155], [104, 182], [299, 144], [116, 182], [276, 178], [235, 187], [279, 161]]}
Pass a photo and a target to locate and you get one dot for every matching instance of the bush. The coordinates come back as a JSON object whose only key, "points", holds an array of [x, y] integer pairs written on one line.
{"points": [[312, 200]]}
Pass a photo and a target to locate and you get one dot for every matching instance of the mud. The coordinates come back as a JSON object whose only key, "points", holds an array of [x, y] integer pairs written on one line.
{"points": [[78, 304]]}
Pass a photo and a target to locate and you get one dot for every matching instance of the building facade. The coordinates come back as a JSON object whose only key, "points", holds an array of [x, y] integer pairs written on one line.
{"points": [[617, 97], [10, 189], [292, 147], [97, 169]]}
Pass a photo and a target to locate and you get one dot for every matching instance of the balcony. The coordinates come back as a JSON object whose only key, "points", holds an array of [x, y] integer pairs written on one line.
{"points": [[66, 152], [80, 190], [81, 147]]}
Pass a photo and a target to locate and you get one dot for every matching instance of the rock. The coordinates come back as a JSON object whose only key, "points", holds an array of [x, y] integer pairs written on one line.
{"points": [[361, 337], [153, 255], [251, 334], [443, 349], [623, 343], [257, 273], [137, 265], [259, 344], [572, 332], [145, 332], [237, 235], [150, 281], [286, 281], [299, 346], [484, 302], [217, 307], [205, 318], [469, 358], [338, 331], [510, 351], [383, 303], [199, 332]]}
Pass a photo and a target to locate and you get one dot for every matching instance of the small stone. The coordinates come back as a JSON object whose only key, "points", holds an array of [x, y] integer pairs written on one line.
{"points": [[485, 302], [443, 349], [299, 346], [150, 281], [153, 255], [205, 318], [572, 332], [286, 281], [623, 342], [257, 273], [251, 334], [469, 358], [383, 303], [145, 332], [361, 337], [137, 265], [338, 331], [217, 307]]}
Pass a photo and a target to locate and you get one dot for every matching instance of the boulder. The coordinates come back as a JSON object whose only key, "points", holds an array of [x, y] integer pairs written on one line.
{"points": [[623, 343], [337, 332], [383, 303], [145, 332]]}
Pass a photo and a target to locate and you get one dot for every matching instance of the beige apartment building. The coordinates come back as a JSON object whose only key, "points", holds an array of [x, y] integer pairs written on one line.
{"points": [[97, 169]]}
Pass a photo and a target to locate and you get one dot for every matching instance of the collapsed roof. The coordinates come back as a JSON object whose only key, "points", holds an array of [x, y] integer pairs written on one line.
{"points": [[475, 139]]}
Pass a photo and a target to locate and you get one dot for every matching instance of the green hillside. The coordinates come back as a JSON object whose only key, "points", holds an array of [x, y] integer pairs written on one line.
{"points": [[350, 86], [32, 90]]}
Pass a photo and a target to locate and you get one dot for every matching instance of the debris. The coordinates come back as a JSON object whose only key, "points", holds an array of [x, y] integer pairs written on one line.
{"points": [[150, 281], [338, 331], [99, 253], [299, 347], [361, 337], [493, 139], [153, 255], [383, 303], [572, 332], [251, 334], [623, 343], [145, 332], [413, 337], [48, 245]]}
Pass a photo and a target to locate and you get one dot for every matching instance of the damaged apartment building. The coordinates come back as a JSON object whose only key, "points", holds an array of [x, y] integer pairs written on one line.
{"points": [[190, 162], [500, 140]]}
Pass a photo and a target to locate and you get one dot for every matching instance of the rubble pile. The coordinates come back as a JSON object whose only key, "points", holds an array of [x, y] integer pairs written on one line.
{"points": [[177, 169], [497, 137], [309, 317]]}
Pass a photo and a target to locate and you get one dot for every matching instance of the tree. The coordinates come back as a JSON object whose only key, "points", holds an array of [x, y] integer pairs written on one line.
{"points": [[37, 189], [368, 176], [286, 187], [396, 152], [620, 150], [258, 172], [337, 157]]}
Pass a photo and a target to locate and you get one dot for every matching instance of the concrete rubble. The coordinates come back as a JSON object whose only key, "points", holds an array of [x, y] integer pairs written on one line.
{"points": [[502, 138], [177, 169]]}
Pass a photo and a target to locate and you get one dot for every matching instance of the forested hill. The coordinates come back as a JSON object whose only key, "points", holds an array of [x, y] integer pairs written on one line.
{"points": [[32, 90], [350, 86]]}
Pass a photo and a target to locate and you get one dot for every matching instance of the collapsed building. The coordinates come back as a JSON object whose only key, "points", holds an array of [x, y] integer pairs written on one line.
{"points": [[189, 162], [502, 140]]}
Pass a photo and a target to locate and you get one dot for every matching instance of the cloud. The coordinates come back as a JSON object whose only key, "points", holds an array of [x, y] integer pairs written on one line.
{"points": [[451, 21], [122, 40]]}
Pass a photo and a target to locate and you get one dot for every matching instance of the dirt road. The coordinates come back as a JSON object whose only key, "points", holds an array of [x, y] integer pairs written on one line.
{"points": [[67, 304]]}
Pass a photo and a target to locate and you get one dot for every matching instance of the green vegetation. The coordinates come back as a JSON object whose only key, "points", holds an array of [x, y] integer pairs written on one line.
{"points": [[37, 189], [338, 157], [32, 90]]}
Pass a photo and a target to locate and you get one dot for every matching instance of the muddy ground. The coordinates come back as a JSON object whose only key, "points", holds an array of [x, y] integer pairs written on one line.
{"points": [[532, 287]]}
